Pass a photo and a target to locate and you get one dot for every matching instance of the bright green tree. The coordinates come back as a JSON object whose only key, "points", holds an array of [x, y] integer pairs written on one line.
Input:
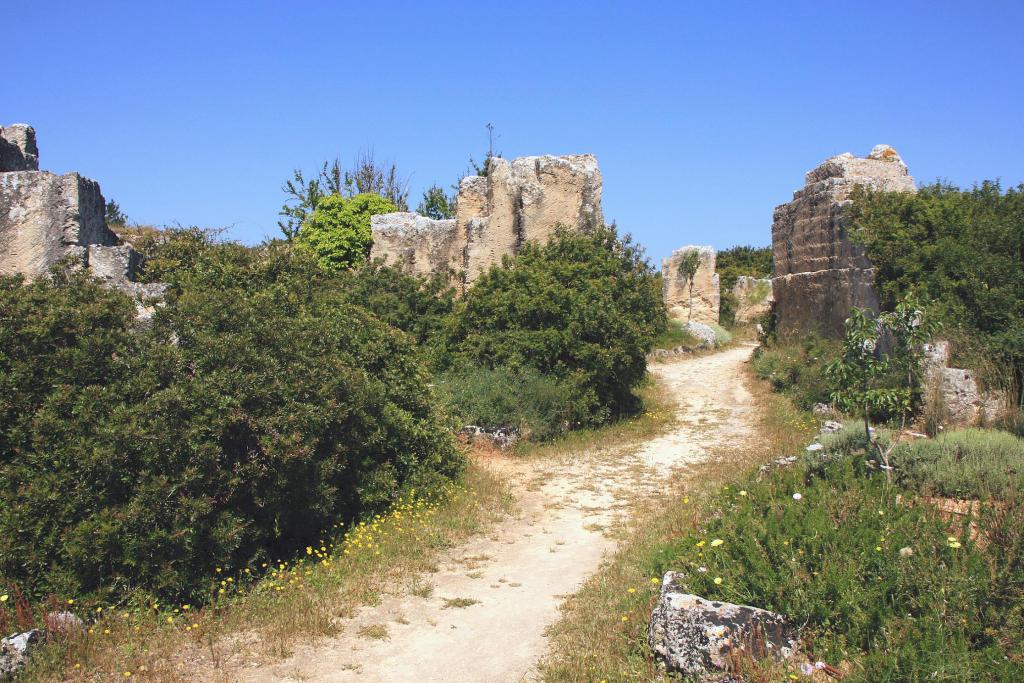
{"points": [[436, 204], [338, 231]]}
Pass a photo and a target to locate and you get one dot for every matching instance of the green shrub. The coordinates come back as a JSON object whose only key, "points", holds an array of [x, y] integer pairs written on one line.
{"points": [[970, 463], [730, 264], [962, 250], [260, 409], [832, 563], [584, 308], [539, 406], [722, 335], [797, 369], [417, 305], [675, 334], [338, 231]]}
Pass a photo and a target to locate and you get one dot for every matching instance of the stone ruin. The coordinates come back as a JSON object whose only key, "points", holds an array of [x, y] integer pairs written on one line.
{"points": [[753, 297], [820, 274], [48, 220], [517, 201], [953, 394], [676, 287]]}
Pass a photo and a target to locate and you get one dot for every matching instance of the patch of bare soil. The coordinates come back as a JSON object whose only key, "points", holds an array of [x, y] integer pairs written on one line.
{"points": [[482, 616]]}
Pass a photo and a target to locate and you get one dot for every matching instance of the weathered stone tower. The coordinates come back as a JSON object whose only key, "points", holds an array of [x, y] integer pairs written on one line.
{"points": [[819, 272]]}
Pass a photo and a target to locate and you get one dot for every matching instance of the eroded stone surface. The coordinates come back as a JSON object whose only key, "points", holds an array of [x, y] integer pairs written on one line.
{"points": [[18, 151], [964, 403], [693, 636], [753, 297], [519, 200], [676, 289], [819, 272]]}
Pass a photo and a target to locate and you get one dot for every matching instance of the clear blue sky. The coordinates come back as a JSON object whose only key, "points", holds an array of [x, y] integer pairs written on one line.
{"points": [[703, 116]]}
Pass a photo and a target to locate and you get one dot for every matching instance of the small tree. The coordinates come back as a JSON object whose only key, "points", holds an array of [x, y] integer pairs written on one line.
{"points": [[862, 375], [436, 204], [114, 215], [338, 232], [689, 262]]}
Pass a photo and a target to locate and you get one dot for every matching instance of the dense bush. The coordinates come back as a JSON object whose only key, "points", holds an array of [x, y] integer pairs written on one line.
{"points": [[416, 305], [537, 405], [584, 308], [338, 231], [258, 410], [961, 249], [833, 560]]}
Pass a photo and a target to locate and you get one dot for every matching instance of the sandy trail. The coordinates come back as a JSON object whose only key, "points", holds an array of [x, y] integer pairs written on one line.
{"points": [[512, 580]]}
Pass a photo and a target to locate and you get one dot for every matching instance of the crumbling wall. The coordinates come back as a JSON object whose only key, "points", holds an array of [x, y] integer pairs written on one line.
{"points": [[519, 200], [46, 219], [753, 297], [706, 292], [819, 272]]}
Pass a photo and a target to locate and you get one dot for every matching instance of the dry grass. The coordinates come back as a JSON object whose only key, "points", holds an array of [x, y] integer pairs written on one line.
{"points": [[601, 627], [295, 601]]}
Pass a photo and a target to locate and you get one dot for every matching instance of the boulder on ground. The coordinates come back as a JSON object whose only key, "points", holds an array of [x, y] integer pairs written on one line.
{"points": [[705, 334], [14, 651], [693, 636]]}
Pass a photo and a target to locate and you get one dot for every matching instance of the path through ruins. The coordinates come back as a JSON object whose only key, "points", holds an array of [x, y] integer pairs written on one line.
{"points": [[511, 581]]}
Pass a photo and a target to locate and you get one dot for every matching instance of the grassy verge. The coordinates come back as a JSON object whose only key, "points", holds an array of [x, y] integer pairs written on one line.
{"points": [[256, 619], [885, 589]]}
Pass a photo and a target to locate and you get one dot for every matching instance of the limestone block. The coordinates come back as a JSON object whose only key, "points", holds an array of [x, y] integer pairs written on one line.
{"points": [[810, 234], [694, 637], [421, 245], [753, 297], [18, 151], [964, 403], [45, 218], [676, 287]]}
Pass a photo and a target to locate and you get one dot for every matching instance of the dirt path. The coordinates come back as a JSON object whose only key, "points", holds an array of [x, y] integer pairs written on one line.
{"points": [[492, 599]]}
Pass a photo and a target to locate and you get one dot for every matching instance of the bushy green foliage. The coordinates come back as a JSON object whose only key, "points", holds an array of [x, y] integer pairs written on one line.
{"points": [[260, 409], [969, 463], [338, 232], [539, 406], [584, 308], [436, 204], [950, 608], [961, 249], [797, 368], [730, 264], [417, 305]]}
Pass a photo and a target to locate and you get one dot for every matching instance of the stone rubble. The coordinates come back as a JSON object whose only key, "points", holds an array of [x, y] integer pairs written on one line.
{"points": [[14, 651]]}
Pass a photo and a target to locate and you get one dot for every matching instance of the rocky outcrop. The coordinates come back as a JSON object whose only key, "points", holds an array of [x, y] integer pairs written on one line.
{"points": [[47, 219], [953, 394], [518, 201], [706, 297], [695, 637], [753, 297], [819, 272]]}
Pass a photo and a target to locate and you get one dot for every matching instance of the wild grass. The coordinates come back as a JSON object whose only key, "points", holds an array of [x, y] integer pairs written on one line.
{"points": [[884, 589], [264, 611], [968, 463], [675, 335]]}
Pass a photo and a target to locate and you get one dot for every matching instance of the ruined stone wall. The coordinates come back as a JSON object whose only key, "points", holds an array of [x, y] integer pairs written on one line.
{"points": [[44, 217], [753, 297], [519, 200], [706, 292], [819, 272]]}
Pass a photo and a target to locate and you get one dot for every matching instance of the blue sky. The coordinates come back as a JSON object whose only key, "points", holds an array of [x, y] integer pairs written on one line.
{"points": [[703, 116]]}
